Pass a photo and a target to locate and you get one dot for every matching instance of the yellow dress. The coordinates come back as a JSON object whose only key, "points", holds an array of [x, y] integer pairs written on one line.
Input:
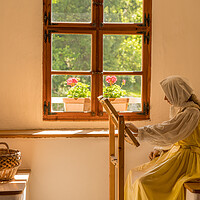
{"points": [[163, 177]]}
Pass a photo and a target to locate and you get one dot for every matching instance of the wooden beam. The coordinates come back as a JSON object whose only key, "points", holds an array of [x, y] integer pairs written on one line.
{"points": [[111, 166], [131, 136], [121, 158]]}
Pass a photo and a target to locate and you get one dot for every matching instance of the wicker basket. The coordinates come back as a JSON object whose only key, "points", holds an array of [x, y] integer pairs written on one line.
{"points": [[10, 161]]}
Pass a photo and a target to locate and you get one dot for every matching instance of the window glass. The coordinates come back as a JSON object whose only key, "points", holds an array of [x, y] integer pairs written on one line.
{"points": [[123, 11], [122, 52], [71, 93], [71, 11], [124, 92], [71, 52]]}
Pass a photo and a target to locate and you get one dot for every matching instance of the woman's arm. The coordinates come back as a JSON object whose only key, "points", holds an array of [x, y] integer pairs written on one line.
{"points": [[169, 132]]}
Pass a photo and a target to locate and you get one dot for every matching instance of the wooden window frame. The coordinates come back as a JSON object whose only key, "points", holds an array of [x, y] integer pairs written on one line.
{"points": [[97, 29]]}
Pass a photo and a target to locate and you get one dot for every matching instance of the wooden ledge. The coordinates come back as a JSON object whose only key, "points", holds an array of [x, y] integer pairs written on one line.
{"points": [[54, 133], [193, 186], [16, 186]]}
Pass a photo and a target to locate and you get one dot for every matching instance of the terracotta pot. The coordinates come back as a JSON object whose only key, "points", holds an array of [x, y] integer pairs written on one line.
{"points": [[77, 104], [120, 104]]}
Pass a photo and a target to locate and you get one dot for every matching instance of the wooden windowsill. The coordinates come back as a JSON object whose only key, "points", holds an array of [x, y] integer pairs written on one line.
{"points": [[54, 133]]}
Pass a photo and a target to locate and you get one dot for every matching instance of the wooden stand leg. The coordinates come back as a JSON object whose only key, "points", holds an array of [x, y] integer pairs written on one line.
{"points": [[111, 153], [118, 121], [121, 158]]}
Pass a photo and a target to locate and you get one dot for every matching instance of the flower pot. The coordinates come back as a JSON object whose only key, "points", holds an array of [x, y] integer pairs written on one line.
{"points": [[77, 104], [120, 104]]}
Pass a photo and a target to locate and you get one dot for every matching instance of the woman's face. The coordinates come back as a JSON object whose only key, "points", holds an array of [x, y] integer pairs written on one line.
{"points": [[165, 98]]}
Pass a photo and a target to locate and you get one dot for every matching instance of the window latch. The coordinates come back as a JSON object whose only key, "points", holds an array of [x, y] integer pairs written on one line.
{"points": [[146, 20], [47, 108], [45, 18], [49, 20], [145, 36], [145, 109], [47, 35]]}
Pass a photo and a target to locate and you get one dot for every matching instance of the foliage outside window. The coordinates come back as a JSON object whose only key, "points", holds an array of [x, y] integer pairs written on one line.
{"points": [[94, 48]]}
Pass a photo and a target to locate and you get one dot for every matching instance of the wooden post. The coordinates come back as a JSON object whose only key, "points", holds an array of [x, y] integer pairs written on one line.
{"points": [[121, 158], [111, 153], [118, 121]]}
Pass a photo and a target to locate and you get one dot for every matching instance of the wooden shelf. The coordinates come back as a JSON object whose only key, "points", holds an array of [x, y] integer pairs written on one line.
{"points": [[193, 187], [53, 133], [17, 185]]}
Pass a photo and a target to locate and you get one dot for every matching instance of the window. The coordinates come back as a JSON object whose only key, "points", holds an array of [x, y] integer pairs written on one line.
{"points": [[93, 48]]}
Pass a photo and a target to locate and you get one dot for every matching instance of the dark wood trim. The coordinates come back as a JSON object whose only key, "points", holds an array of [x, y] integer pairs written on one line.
{"points": [[44, 56], [81, 116], [94, 76], [48, 74], [54, 72], [72, 31], [123, 73], [100, 64], [123, 31]]}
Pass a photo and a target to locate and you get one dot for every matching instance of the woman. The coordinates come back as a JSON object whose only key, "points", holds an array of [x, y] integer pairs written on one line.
{"points": [[164, 176]]}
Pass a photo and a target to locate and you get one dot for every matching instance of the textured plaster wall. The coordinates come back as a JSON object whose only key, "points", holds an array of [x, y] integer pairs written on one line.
{"points": [[77, 168]]}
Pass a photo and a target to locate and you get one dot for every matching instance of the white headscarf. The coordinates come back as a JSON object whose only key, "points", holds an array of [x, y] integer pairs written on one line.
{"points": [[176, 90]]}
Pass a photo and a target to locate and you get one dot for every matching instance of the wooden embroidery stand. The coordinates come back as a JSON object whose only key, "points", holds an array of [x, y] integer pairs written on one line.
{"points": [[124, 133]]}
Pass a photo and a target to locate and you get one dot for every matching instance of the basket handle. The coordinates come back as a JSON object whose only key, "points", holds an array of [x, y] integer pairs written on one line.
{"points": [[6, 146]]}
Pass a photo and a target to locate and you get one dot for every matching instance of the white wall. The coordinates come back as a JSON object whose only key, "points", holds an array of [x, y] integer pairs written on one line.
{"points": [[70, 168], [77, 168]]}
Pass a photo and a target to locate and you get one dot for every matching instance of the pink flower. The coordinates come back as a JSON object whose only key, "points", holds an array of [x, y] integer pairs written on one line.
{"points": [[123, 82], [72, 81], [108, 78], [111, 79], [114, 79]]}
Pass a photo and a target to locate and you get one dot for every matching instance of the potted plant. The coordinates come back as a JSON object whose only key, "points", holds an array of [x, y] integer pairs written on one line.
{"points": [[115, 93], [77, 96]]}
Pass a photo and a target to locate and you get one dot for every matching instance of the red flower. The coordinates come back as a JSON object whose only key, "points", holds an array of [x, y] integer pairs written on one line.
{"points": [[72, 81], [111, 79], [108, 79], [114, 79]]}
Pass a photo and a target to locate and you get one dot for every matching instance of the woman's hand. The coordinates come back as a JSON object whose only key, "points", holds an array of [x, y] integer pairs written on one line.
{"points": [[132, 127], [154, 154]]}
